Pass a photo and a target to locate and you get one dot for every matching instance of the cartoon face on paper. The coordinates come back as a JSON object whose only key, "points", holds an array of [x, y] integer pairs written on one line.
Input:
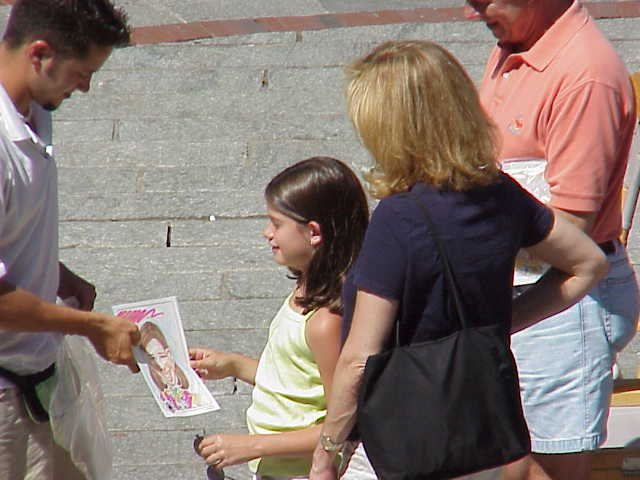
{"points": [[162, 366], [163, 361]]}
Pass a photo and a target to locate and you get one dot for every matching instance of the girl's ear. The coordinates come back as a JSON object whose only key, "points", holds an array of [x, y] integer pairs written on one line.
{"points": [[315, 233]]}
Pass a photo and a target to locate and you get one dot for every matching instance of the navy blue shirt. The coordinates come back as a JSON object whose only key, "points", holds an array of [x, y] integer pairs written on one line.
{"points": [[482, 230]]}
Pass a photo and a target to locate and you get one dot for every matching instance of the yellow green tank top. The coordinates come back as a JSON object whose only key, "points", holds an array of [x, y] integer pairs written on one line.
{"points": [[288, 393]]}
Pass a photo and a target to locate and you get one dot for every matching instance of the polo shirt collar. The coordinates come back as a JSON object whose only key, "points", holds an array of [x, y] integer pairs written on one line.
{"points": [[12, 120], [16, 128], [542, 53]]}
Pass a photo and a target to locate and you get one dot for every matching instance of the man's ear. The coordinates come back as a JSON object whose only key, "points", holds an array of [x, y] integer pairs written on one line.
{"points": [[316, 233], [38, 51]]}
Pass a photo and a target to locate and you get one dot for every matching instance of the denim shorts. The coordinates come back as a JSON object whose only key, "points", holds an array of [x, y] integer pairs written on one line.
{"points": [[565, 362]]}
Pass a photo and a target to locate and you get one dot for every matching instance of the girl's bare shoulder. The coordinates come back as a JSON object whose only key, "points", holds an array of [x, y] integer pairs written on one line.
{"points": [[323, 326]]}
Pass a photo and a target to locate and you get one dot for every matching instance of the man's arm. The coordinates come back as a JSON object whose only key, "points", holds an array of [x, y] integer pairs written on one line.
{"points": [[583, 220], [112, 337], [580, 165]]}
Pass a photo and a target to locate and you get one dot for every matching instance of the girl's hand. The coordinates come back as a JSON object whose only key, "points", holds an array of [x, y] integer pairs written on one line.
{"points": [[211, 364], [223, 450]]}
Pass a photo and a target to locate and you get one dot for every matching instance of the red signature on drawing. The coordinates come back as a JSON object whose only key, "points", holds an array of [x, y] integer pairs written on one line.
{"points": [[136, 316]]}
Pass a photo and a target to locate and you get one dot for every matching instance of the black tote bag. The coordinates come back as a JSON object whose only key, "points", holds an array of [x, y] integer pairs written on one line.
{"points": [[443, 408]]}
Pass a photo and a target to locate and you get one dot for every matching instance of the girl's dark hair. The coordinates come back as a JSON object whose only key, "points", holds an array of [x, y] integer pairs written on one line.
{"points": [[70, 27], [324, 190]]}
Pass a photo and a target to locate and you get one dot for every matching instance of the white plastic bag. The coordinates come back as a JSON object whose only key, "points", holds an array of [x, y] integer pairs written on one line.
{"points": [[76, 410]]}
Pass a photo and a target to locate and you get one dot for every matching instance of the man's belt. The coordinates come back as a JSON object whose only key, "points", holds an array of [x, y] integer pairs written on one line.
{"points": [[608, 247], [27, 385]]}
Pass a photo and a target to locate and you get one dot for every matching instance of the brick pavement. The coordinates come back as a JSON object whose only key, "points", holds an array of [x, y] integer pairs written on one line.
{"points": [[245, 26]]}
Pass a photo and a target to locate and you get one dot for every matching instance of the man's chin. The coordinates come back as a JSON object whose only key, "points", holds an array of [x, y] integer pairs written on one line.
{"points": [[497, 32], [50, 106]]}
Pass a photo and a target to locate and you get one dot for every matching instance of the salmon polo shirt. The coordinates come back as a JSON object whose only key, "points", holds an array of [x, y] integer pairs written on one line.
{"points": [[568, 102]]}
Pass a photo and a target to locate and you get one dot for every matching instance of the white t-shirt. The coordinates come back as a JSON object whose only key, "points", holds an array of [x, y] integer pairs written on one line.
{"points": [[28, 228]]}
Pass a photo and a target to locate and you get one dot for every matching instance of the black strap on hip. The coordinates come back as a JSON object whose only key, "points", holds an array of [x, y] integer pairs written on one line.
{"points": [[27, 386]]}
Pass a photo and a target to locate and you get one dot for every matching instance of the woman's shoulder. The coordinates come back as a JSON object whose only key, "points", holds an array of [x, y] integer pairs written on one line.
{"points": [[517, 197], [511, 185], [403, 205], [395, 215]]}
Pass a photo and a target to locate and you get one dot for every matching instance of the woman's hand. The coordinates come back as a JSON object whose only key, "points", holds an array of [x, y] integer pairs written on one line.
{"points": [[223, 450], [211, 364], [323, 467]]}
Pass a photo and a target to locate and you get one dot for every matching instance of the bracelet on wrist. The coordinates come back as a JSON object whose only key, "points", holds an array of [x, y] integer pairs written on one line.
{"points": [[329, 445]]}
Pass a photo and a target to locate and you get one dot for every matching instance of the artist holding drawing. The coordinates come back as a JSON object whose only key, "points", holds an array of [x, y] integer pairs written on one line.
{"points": [[50, 49], [318, 214]]}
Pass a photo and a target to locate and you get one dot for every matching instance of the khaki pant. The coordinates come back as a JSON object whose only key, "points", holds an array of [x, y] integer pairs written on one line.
{"points": [[27, 449]]}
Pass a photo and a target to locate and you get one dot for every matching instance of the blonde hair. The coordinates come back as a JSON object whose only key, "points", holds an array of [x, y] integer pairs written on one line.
{"points": [[418, 113]]}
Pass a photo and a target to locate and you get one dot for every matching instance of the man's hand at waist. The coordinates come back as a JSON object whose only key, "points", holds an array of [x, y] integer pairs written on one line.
{"points": [[71, 285]]}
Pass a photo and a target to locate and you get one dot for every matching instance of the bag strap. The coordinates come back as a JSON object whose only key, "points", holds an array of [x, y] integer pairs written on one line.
{"points": [[446, 266], [26, 381], [27, 386], [12, 377]]}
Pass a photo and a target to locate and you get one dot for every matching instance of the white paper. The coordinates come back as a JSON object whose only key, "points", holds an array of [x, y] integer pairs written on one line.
{"points": [[529, 172], [163, 358]]}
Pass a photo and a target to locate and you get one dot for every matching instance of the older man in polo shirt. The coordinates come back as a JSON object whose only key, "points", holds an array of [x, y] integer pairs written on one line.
{"points": [[562, 100], [50, 49]]}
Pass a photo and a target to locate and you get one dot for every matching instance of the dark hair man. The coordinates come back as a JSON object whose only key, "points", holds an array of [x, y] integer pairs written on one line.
{"points": [[50, 49]]}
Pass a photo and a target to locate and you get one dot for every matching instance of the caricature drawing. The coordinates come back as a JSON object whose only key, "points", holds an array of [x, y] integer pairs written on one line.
{"points": [[166, 374], [163, 359]]}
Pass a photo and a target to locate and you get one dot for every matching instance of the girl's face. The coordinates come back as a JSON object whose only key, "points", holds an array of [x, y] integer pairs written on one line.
{"points": [[291, 241]]}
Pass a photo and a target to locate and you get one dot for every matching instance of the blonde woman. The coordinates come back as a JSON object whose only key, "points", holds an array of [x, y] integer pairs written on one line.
{"points": [[417, 113]]}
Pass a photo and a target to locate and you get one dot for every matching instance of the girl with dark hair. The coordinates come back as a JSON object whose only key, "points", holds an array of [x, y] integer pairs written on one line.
{"points": [[318, 214]]}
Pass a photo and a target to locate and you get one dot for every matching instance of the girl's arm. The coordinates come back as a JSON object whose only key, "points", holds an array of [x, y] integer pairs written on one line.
{"points": [[214, 365], [373, 320], [223, 450], [578, 265], [322, 332]]}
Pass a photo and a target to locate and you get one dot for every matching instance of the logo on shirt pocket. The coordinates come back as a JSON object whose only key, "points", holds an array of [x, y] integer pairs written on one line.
{"points": [[516, 125]]}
